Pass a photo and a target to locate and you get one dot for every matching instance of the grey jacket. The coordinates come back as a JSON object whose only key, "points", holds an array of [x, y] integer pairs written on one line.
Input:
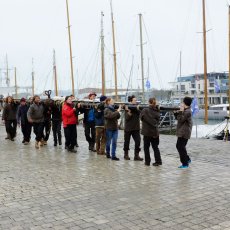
{"points": [[150, 120], [111, 118], [36, 113], [184, 124]]}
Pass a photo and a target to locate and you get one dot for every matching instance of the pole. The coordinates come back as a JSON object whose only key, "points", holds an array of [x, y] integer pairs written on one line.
{"points": [[70, 48], [114, 52], [180, 75], [229, 64], [205, 67], [32, 77], [55, 73], [15, 82], [102, 56], [142, 60], [7, 73]]}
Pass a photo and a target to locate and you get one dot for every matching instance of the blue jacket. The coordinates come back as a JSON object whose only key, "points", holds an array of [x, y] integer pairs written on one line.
{"points": [[99, 118]]}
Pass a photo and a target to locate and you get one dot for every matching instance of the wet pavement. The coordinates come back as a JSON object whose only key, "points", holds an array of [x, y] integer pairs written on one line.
{"points": [[53, 189]]}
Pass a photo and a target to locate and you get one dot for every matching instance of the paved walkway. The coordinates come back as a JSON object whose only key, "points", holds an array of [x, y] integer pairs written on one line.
{"points": [[53, 189]]}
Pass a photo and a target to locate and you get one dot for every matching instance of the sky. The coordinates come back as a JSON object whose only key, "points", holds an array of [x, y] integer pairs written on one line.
{"points": [[33, 28]]}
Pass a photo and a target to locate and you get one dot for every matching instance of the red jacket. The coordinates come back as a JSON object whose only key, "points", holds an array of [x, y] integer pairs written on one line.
{"points": [[68, 115]]}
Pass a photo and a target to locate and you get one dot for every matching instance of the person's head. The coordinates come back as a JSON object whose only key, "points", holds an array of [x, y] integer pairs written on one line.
{"points": [[109, 101], [187, 102], [68, 100], [72, 96], [152, 101], [102, 98], [132, 99], [36, 99], [9, 99], [23, 101], [92, 96]]}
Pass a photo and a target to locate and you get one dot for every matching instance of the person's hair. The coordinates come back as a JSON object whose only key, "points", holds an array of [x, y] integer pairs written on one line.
{"points": [[130, 98], [7, 99], [67, 97], [152, 101], [35, 97], [107, 100]]}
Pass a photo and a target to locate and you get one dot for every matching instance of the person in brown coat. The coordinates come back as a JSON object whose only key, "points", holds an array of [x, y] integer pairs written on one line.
{"points": [[183, 131], [150, 118]]}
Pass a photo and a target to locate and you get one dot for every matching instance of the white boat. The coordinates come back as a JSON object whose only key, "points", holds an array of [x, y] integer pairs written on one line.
{"points": [[215, 112]]}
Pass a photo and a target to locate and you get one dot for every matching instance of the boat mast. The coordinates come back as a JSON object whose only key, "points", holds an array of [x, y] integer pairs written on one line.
{"points": [[15, 82], [32, 77], [70, 48], [7, 73], [102, 56], [205, 67], [114, 52], [229, 63], [55, 73], [142, 59], [180, 75]]}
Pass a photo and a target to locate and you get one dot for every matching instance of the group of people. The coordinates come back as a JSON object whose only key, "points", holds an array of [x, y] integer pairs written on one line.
{"points": [[100, 126]]}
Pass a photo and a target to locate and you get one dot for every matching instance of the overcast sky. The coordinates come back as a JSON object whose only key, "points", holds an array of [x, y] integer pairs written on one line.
{"points": [[33, 28]]}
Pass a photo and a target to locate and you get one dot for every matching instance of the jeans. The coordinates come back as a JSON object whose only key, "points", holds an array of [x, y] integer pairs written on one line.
{"points": [[181, 147], [136, 137], [111, 135], [154, 142]]}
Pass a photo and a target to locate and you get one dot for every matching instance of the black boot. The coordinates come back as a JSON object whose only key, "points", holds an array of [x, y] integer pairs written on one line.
{"points": [[137, 157], [126, 155]]}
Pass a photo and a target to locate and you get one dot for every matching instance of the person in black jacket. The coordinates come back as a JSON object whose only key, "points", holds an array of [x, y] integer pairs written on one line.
{"points": [[100, 126], [9, 117], [150, 118], [132, 128], [56, 111], [47, 120], [23, 121], [89, 123]]}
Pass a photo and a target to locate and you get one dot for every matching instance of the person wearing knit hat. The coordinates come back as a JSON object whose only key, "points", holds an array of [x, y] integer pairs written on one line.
{"points": [[23, 122], [89, 122], [183, 131], [100, 126]]}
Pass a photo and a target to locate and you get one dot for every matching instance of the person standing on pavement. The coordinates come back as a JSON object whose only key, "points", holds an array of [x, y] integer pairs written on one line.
{"points": [[23, 121], [35, 116], [111, 125], [69, 124], [132, 128], [100, 126], [183, 130], [47, 120], [9, 117], [89, 123], [150, 118]]}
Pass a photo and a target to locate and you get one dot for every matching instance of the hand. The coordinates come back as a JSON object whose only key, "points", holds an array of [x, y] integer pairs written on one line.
{"points": [[119, 109], [74, 109], [30, 120], [126, 108]]}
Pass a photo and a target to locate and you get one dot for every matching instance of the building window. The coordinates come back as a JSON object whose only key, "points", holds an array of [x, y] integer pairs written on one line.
{"points": [[193, 86], [211, 91], [198, 86], [211, 84], [182, 87]]}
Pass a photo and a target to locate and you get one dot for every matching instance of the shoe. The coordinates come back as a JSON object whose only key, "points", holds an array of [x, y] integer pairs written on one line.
{"points": [[147, 164], [108, 155], [115, 159], [23, 141], [157, 164], [137, 157], [26, 143], [12, 139], [60, 143], [77, 145], [7, 138], [72, 150], [44, 142], [36, 145], [183, 167], [55, 143]]}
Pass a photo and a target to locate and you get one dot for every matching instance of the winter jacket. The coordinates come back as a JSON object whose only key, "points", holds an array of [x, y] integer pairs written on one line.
{"points": [[36, 113], [111, 118], [68, 115], [22, 114], [132, 121], [150, 120], [56, 113], [86, 112], [184, 124], [9, 111]]}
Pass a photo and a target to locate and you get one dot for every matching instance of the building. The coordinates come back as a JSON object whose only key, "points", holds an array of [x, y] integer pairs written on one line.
{"points": [[218, 86]]}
